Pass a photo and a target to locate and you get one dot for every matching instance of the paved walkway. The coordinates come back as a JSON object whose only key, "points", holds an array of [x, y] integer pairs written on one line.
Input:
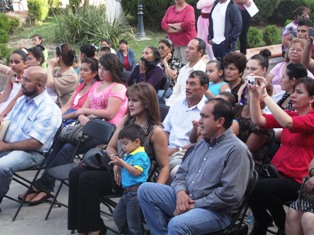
{"points": [[31, 219]]}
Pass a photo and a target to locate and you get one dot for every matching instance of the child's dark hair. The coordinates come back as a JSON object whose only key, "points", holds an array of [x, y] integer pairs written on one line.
{"points": [[88, 50], [232, 100], [105, 49], [217, 63], [132, 132]]}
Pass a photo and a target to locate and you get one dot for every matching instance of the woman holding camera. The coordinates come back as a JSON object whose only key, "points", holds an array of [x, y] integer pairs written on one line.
{"points": [[292, 158]]}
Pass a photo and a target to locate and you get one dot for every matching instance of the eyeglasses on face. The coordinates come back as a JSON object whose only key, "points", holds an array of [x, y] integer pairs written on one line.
{"points": [[295, 49]]}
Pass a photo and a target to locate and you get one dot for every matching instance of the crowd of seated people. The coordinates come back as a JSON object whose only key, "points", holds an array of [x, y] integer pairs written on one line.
{"points": [[102, 90]]}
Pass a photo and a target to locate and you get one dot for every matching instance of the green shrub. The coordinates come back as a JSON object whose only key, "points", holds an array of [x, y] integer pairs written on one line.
{"points": [[74, 4], [54, 5], [254, 37], [4, 36], [14, 24], [88, 25], [272, 35], [4, 22], [37, 10], [4, 51]]}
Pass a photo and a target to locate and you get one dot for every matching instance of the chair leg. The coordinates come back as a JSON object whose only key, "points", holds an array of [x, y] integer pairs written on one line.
{"points": [[54, 200], [21, 202]]}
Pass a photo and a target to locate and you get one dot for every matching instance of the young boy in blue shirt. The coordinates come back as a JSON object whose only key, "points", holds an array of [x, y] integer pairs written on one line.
{"points": [[135, 166]]}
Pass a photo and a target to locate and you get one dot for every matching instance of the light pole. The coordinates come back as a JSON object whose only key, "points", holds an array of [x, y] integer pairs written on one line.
{"points": [[140, 24]]}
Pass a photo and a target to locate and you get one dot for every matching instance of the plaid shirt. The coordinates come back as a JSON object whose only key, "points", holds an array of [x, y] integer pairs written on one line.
{"points": [[37, 118]]}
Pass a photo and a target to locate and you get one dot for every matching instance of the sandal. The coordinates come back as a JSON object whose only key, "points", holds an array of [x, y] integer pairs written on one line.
{"points": [[28, 194], [39, 198]]}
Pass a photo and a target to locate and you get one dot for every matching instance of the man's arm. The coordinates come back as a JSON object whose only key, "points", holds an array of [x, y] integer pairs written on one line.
{"points": [[236, 23], [306, 58], [25, 145]]}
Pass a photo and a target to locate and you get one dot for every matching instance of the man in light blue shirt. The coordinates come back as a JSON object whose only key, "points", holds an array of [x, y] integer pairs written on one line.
{"points": [[34, 121]]}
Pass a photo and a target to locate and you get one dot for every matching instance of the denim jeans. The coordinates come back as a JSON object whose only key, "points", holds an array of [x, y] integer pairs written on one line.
{"points": [[220, 50], [158, 203], [128, 215], [13, 161]]}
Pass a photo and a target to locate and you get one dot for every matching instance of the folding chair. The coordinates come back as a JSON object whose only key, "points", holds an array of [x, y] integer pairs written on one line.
{"points": [[237, 226], [164, 109], [163, 88], [95, 129], [27, 183]]}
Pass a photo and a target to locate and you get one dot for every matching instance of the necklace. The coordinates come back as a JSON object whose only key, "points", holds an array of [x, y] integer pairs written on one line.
{"points": [[17, 78]]}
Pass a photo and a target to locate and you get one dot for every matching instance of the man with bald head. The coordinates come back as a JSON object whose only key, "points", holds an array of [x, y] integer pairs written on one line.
{"points": [[34, 120]]}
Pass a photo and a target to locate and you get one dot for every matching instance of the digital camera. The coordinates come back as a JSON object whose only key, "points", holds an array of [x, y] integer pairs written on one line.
{"points": [[250, 80]]}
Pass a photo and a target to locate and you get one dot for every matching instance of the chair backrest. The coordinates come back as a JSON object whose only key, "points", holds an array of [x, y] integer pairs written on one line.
{"points": [[99, 129], [163, 111], [238, 217], [165, 83]]}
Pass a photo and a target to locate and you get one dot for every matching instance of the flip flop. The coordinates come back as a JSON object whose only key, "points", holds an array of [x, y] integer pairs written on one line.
{"points": [[41, 198], [29, 195]]}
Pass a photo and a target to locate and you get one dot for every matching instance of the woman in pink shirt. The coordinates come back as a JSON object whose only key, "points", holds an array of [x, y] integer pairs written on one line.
{"points": [[179, 23], [106, 99], [89, 75]]}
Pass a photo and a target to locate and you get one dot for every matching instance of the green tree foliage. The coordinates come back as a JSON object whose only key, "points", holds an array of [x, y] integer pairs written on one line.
{"points": [[266, 9], [7, 26], [37, 10], [254, 37], [284, 11], [272, 35], [154, 11], [88, 25]]}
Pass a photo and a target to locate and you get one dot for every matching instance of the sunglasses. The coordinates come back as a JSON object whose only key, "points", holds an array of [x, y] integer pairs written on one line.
{"points": [[60, 48]]}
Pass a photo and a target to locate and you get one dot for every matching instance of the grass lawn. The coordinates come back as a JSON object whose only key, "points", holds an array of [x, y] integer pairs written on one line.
{"points": [[47, 31]]}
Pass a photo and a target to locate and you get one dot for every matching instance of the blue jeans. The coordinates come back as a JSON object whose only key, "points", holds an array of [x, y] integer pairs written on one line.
{"points": [[128, 215], [220, 50], [13, 161], [158, 203]]}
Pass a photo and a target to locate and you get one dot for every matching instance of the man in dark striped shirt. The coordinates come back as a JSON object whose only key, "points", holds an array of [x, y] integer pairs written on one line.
{"points": [[209, 185]]}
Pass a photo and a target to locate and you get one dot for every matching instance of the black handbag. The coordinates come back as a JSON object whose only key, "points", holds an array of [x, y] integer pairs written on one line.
{"points": [[269, 171], [96, 158], [72, 133]]}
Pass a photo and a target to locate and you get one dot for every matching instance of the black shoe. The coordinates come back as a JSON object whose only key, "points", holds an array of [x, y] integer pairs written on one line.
{"points": [[259, 228], [280, 231], [103, 231]]}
